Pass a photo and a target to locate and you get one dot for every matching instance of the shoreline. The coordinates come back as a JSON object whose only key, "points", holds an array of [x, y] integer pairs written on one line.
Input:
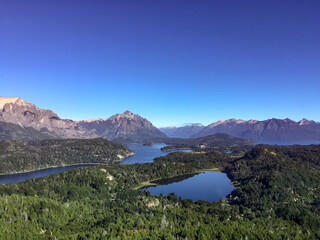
{"points": [[64, 165], [175, 149], [59, 166], [150, 182], [210, 170]]}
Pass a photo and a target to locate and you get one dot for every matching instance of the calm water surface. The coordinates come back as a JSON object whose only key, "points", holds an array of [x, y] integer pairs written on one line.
{"points": [[21, 177], [146, 154], [143, 154], [209, 186]]}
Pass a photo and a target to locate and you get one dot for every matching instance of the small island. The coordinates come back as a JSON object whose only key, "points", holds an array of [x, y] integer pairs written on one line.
{"points": [[148, 144]]}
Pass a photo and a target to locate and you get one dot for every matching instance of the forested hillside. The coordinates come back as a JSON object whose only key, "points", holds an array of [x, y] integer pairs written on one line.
{"points": [[277, 197], [16, 156], [218, 141]]}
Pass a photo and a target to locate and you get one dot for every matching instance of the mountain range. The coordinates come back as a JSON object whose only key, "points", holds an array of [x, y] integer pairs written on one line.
{"points": [[185, 131], [126, 127], [25, 116], [271, 130], [267, 130], [21, 120]]}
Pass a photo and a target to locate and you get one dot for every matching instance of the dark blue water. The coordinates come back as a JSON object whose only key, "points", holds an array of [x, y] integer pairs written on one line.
{"points": [[143, 154], [209, 186], [146, 154], [21, 177]]}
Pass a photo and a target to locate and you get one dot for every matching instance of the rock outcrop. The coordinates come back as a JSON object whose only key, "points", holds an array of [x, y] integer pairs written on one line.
{"points": [[126, 127], [19, 112]]}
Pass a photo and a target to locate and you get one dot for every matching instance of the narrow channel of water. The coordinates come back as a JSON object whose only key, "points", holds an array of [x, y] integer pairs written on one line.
{"points": [[21, 177], [143, 154]]}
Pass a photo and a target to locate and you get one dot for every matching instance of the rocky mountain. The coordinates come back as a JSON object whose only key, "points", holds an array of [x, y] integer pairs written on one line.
{"points": [[268, 130], [26, 115], [18, 132], [126, 127], [185, 131], [309, 124]]}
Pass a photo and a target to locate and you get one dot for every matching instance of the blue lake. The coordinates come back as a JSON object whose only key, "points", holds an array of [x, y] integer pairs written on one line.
{"points": [[21, 177], [143, 154], [209, 186], [146, 154]]}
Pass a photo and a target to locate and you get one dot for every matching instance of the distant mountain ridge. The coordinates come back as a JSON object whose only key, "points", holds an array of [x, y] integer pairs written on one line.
{"points": [[186, 131], [267, 130], [43, 122], [21, 120], [125, 127]]}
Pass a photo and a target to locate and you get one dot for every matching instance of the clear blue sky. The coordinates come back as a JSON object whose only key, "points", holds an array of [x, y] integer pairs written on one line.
{"points": [[170, 61]]}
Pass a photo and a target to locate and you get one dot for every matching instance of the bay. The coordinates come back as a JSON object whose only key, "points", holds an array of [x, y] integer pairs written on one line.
{"points": [[208, 186]]}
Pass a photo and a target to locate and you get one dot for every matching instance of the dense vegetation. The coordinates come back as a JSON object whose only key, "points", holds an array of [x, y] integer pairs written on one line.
{"points": [[197, 160], [218, 141], [272, 183], [277, 198], [16, 156]]}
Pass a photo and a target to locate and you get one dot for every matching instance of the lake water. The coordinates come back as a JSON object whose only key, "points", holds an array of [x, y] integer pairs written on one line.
{"points": [[143, 154], [146, 154], [209, 186], [21, 177]]}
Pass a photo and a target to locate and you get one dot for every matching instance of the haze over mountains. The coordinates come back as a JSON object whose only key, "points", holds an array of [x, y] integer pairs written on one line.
{"points": [[267, 130], [185, 131], [20, 120]]}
